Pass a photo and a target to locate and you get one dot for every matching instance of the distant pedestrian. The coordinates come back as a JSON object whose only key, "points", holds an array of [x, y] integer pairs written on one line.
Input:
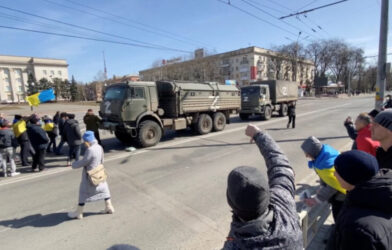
{"points": [[381, 131], [39, 141], [264, 212], [52, 130], [62, 120], [56, 118], [322, 157], [7, 142], [20, 131], [74, 138], [364, 221], [291, 113], [92, 123], [88, 192]]}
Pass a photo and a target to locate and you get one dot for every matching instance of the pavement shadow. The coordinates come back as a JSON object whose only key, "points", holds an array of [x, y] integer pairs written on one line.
{"points": [[320, 138], [123, 247], [39, 220]]}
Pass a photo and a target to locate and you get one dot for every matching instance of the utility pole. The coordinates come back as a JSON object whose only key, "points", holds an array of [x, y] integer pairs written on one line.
{"points": [[382, 56]]}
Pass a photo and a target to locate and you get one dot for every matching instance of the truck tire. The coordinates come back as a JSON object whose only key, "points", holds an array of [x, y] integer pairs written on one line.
{"points": [[244, 117], [219, 121], [123, 137], [267, 113], [283, 109], [204, 124], [149, 134]]}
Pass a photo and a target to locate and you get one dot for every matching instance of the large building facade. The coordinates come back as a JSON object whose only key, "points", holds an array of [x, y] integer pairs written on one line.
{"points": [[241, 66], [14, 71]]}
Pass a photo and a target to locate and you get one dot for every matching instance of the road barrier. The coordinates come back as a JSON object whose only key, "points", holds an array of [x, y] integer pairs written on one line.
{"points": [[312, 219]]}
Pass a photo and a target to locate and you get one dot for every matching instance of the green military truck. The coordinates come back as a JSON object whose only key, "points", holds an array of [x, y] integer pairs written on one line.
{"points": [[264, 97], [140, 112]]}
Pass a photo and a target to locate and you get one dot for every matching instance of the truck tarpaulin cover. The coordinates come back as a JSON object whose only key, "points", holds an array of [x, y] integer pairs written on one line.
{"points": [[281, 90]]}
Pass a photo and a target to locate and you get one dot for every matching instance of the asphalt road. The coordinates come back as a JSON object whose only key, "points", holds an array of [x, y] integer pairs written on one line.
{"points": [[171, 196]]}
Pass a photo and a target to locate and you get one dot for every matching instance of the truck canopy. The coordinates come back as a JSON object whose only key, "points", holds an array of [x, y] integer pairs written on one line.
{"points": [[281, 91], [179, 98]]}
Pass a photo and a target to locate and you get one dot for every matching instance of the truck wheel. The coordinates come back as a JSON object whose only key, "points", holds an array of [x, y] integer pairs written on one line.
{"points": [[123, 137], [283, 109], [267, 113], [244, 117], [204, 124], [219, 121], [149, 134]]}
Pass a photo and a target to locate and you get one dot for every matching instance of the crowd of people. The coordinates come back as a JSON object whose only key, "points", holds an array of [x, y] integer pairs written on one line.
{"points": [[357, 183], [37, 136]]}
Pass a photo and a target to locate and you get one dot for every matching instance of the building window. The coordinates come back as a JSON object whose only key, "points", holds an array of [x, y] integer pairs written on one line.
{"points": [[59, 72], [45, 73], [9, 97], [20, 88], [7, 88], [52, 73]]}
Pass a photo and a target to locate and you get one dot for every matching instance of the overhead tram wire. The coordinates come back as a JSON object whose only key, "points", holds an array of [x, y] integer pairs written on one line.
{"points": [[260, 19], [28, 21], [158, 31], [84, 28], [300, 20], [91, 39], [308, 18], [313, 9], [269, 14]]}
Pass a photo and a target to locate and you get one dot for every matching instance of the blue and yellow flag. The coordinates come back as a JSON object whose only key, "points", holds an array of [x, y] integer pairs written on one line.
{"points": [[41, 97]]}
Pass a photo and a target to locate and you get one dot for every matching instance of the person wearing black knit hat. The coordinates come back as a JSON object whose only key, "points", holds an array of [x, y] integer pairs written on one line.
{"points": [[364, 220], [264, 212], [381, 130]]}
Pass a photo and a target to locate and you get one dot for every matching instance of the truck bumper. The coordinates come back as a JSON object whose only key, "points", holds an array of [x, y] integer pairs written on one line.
{"points": [[256, 110]]}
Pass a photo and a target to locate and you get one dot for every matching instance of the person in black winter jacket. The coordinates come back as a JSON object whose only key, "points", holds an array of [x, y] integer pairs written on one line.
{"points": [[365, 220], [63, 118], [291, 113], [39, 141], [382, 131], [74, 138], [264, 212]]}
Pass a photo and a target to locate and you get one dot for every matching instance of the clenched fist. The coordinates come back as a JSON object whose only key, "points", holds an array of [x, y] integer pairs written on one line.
{"points": [[251, 131]]}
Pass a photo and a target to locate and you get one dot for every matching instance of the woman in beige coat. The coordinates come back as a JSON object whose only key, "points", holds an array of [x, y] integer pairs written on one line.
{"points": [[87, 191]]}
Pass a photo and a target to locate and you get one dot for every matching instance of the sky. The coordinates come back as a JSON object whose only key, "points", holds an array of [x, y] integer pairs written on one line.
{"points": [[165, 29]]}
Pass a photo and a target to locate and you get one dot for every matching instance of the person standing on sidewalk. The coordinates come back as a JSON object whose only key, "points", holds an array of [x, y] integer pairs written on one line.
{"points": [[39, 141], [74, 138], [7, 143], [92, 123], [322, 157], [291, 113], [381, 131], [62, 120], [88, 192], [363, 140], [364, 221], [264, 212], [20, 131]]}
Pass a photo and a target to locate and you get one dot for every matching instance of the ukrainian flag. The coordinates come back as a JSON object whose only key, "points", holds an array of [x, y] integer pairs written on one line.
{"points": [[41, 97]]}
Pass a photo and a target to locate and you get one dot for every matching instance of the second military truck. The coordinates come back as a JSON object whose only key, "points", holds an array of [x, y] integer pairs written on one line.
{"points": [[141, 111], [264, 97]]}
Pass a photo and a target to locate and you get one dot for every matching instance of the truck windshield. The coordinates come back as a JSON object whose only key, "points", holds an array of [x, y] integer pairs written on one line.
{"points": [[250, 91], [115, 93]]}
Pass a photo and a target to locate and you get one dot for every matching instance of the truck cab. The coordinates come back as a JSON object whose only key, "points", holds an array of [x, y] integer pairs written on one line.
{"points": [[254, 100], [126, 105]]}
